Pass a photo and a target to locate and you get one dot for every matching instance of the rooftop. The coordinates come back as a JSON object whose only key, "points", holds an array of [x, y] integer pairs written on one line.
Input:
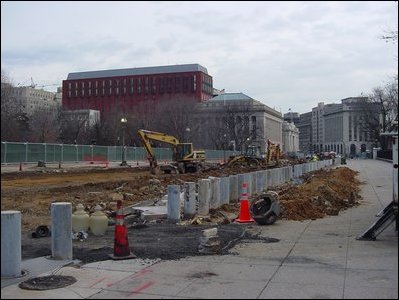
{"points": [[138, 71]]}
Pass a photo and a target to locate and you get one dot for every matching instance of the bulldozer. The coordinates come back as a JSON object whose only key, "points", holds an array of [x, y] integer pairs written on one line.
{"points": [[184, 159], [254, 157]]}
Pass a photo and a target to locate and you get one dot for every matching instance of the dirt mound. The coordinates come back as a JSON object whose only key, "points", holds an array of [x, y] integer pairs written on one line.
{"points": [[322, 193]]}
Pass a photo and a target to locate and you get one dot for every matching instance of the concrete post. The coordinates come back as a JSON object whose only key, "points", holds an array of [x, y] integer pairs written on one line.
{"points": [[173, 205], [204, 196], [189, 199], [61, 230], [11, 243], [224, 190], [215, 192], [260, 181], [254, 185], [265, 186], [248, 180], [233, 188]]}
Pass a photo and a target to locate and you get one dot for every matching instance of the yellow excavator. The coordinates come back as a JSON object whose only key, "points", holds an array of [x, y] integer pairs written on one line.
{"points": [[185, 159], [254, 157]]}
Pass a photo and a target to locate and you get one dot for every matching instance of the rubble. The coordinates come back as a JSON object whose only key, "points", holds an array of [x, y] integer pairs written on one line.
{"points": [[315, 195]]}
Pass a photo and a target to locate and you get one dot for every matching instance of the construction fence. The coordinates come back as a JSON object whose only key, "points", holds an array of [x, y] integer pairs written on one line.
{"points": [[55, 153]]}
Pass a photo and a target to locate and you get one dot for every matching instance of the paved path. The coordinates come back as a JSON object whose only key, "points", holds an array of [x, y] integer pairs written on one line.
{"points": [[313, 259]]}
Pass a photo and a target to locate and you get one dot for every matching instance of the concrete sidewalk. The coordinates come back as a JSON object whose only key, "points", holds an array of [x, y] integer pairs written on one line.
{"points": [[313, 259]]}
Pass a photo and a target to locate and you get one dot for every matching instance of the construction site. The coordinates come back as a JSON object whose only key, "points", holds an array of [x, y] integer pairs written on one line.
{"points": [[313, 195]]}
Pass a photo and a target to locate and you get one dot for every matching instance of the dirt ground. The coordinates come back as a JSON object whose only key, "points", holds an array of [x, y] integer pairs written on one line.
{"points": [[315, 195]]}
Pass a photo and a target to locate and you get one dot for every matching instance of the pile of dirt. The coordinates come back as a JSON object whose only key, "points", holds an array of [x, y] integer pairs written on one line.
{"points": [[322, 193]]}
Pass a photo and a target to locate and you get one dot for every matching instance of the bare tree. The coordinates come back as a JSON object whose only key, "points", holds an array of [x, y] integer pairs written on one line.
{"points": [[230, 124], [176, 117], [14, 126], [74, 128], [380, 111], [44, 126]]}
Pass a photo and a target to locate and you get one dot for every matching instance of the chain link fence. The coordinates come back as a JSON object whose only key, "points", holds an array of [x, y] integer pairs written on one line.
{"points": [[55, 153]]}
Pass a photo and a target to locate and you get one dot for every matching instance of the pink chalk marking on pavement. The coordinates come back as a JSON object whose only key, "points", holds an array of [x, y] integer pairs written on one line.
{"points": [[143, 287], [98, 281]]}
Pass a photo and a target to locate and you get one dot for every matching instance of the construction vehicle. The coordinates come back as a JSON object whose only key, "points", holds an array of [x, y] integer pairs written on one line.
{"points": [[254, 157], [184, 160]]}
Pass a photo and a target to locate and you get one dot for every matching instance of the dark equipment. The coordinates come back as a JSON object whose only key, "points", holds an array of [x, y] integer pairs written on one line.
{"points": [[265, 208]]}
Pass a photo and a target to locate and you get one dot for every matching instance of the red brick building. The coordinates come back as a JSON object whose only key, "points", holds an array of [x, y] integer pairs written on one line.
{"points": [[122, 89]]}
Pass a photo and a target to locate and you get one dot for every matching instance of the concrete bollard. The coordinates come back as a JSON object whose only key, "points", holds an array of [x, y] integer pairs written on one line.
{"points": [[260, 181], [248, 180], [215, 192], [61, 230], [233, 197], [254, 184], [204, 196], [265, 186], [173, 205], [224, 190], [189, 199], [11, 243]]}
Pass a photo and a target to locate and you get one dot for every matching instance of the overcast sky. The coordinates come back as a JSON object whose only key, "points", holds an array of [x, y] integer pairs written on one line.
{"points": [[284, 54]]}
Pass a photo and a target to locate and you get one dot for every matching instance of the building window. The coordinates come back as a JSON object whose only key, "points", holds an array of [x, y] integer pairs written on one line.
{"points": [[76, 89], [109, 87], [116, 87], [161, 86], [153, 86], [131, 86], [139, 86], [170, 85], [89, 91], [177, 85], [69, 90], [185, 84], [96, 88], [194, 83], [103, 88], [146, 90], [124, 86], [82, 92], [253, 123]]}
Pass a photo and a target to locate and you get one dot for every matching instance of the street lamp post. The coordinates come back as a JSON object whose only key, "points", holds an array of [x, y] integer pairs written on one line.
{"points": [[188, 134], [224, 147], [123, 122]]}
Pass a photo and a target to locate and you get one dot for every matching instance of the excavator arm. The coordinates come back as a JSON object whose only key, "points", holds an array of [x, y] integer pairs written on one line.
{"points": [[147, 135]]}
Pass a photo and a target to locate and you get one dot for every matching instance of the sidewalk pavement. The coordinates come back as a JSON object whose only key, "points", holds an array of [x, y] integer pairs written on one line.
{"points": [[313, 259]]}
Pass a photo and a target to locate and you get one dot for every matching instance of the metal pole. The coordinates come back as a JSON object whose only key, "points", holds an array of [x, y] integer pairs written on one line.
{"points": [[26, 152], [45, 152]]}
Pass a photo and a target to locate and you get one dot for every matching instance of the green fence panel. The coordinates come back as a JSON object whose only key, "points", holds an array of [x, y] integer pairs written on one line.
{"points": [[54, 153], [100, 153], [69, 153], [36, 152]]}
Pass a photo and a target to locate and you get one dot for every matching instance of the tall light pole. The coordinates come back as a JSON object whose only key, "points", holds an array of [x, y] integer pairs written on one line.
{"points": [[188, 134], [224, 147], [123, 122]]}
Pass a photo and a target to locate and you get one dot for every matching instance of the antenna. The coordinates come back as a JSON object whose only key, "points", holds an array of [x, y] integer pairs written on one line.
{"points": [[32, 84]]}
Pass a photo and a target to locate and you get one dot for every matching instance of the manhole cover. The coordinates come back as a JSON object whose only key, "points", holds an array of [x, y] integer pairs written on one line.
{"points": [[47, 282]]}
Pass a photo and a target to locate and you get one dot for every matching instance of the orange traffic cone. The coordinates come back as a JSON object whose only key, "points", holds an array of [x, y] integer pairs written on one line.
{"points": [[244, 216], [121, 243]]}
